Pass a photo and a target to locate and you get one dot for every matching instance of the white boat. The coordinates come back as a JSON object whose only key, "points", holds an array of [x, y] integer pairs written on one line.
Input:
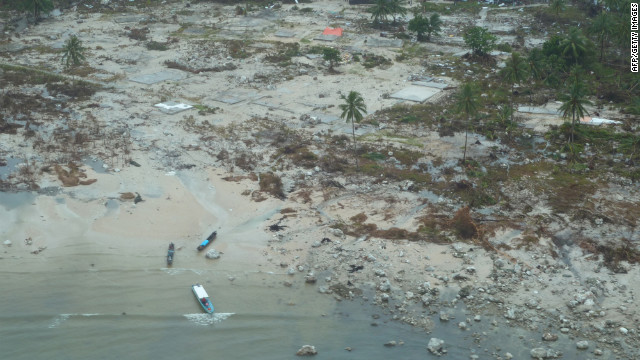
{"points": [[203, 298]]}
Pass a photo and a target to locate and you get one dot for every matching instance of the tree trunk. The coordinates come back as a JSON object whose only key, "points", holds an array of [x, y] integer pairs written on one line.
{"points": [[466, 132], [573, 121], [511, 105], [601, 48], [355, 148]]}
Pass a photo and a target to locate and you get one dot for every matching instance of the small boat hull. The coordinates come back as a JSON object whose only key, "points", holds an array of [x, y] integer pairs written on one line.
{"points": [[208, 241], [170, 254], [203, 298]]}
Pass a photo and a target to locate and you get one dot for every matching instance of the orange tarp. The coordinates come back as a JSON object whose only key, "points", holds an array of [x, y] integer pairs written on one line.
{"points": [[331, 31]]}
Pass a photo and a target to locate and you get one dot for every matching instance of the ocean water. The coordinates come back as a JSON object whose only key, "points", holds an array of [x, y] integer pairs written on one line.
{"points": [[90, 299]]}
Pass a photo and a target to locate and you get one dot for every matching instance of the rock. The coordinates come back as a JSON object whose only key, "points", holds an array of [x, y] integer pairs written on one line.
{"points": [[582, 345], [549, 337], [348, 348], [338, 233], [539, 353], [307, 350], [291, 271], [499, 263], [384, 286], [391, 343], [462, 325], [316, 244], [212, 254], [310, 278], [385, 297], [426, 300], [7, 242], [380, 272], [623, 331], [564, 330], [477, 318], [444, 316], [598, 352], [511, 314], [435, 346], [508, 356]]}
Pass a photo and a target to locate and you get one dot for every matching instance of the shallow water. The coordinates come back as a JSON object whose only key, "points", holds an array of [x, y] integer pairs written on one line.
{"points": [[85, 298]]}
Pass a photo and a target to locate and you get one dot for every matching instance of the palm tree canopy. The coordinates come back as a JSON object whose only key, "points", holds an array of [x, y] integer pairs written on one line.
{"points": [[467, 100], [602, 25], [574, 46], [574, 102], [353, 108], [515, 70], [73, 51]]}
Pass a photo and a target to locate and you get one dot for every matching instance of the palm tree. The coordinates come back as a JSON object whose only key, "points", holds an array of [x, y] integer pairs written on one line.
{"points": [[574, 102], [397, 9], [603, 28], [535, 67], [557, 5], [37, 6], [467, 102], [352, 110], [514, 72], [435, 25], [380, 11], [574, 46], [73, 51]]}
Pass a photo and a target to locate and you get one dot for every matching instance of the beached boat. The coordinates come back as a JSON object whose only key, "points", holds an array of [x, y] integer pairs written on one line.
{"points": [[208, 241], [172, 251], [203, 298]]}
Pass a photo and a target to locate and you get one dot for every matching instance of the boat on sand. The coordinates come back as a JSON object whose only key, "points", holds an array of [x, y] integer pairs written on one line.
{"points": [[172, 251], [208, 241]]}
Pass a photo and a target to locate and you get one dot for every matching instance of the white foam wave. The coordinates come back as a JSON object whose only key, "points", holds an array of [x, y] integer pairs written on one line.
{"points": [[207, 319], [64, 317], [176, 271]]}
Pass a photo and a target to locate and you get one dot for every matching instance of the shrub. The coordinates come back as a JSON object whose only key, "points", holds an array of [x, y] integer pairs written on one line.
{"points": [[271, 184]]}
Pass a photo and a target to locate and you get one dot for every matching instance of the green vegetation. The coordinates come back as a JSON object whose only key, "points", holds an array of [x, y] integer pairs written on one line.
{"points": [[514, 72], [331, 55], [467, 103], [73, 52], [352, 110], [479, 40], [422, 25]]}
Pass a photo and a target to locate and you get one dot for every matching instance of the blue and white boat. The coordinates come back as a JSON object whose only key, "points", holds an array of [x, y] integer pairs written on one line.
{"points": [[208, 241], [203, 298]]}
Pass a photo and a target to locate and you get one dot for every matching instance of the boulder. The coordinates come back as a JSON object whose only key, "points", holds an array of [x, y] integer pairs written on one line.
{"points": [[435, 346], [582, 345], [212, 254], [307, 350]]}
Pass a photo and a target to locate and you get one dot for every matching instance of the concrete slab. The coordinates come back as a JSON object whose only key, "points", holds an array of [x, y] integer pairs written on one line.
{"points": [[327, 118], [172, 107], [430, 84], [12, 47], [538, 110], [194, 31], [323, 37], [285, 33], [383, 42], [129, 19], [169, 74], [234, 97], [415, 93], [272, 106]]}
